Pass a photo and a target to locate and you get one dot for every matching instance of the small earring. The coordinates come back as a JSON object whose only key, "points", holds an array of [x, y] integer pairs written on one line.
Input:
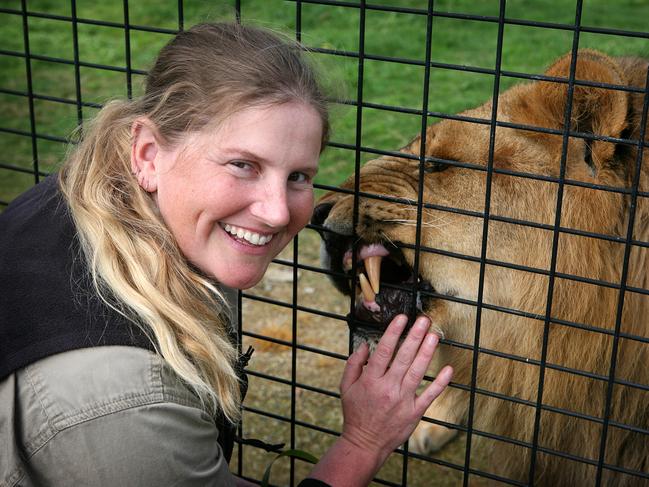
{"points": [[142, 181]]}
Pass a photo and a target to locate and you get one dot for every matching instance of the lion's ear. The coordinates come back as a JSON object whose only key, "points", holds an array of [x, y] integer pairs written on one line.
{"points": [[595, 110]]}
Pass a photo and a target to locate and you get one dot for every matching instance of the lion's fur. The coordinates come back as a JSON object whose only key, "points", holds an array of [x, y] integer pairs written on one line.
{"points": [[541, 104]]}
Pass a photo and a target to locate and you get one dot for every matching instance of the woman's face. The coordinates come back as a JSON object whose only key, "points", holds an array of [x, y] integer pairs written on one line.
{"points": [[234, 197]]}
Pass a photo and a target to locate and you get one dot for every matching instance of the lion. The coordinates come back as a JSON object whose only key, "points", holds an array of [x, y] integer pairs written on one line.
{"points": [[501, 292]]}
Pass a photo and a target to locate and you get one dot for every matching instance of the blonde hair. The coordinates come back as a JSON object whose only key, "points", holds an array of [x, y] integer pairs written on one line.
{"points": [[201, 77]]}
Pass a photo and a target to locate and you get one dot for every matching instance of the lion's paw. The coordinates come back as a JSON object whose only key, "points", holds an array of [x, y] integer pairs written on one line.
{"points": [[429, 438]]}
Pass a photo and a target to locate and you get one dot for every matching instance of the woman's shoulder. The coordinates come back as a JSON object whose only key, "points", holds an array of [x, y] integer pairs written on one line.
{"points": [[31, 201], [82, 385], [76, 385], [106, 407]]}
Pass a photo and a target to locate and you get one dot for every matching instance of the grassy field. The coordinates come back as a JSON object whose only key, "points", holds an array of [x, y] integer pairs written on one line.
{"points": [[401, 35], [455, 41]]}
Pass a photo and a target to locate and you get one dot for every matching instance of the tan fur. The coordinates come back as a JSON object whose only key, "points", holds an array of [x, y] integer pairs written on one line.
{"points": [[596, 111]]}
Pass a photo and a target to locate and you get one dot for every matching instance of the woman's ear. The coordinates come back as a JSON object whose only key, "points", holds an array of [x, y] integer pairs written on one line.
{"points": [[145, 149]]}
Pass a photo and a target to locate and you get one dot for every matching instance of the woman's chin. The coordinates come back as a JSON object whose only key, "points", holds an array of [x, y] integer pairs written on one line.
{"points": [[242, 281]]}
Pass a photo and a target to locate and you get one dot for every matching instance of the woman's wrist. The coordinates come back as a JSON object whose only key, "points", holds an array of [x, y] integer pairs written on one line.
{"points": [[364, 448], [347, 463]]}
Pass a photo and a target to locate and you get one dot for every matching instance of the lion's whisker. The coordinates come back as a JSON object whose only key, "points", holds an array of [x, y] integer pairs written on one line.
{"points": [[388, 239], [428, 224]]}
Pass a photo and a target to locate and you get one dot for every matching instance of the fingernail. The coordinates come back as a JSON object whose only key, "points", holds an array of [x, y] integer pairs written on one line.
{"points": [[422, 324], [431, 339]]}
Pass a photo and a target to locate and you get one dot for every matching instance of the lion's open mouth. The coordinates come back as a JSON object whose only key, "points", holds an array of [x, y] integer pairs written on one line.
{"points": [[387, 285]]}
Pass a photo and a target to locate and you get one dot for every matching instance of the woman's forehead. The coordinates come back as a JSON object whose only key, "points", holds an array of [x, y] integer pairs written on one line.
{"points": [[268, 132]]}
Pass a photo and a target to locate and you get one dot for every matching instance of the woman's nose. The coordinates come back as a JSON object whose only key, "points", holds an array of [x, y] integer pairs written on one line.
{"points": [[271, 206]]}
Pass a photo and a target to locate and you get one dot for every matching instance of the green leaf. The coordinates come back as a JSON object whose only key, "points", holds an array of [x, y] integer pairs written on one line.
{"points": [[301, 454]]}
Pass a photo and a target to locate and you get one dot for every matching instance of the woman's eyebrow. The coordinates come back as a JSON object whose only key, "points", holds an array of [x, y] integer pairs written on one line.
{"points": [[245, 154]]}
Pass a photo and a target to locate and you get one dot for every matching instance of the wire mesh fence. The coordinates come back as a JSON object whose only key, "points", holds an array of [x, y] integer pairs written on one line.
{"points": [[527, 239]]}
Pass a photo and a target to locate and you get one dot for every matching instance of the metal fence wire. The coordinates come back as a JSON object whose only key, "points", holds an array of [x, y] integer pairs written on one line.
{"points": [[302, 342]]}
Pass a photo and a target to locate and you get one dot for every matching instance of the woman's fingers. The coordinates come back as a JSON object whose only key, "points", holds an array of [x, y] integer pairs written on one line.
{"points": [[354, 367], [380, 403], [415, 373], [433, 390], [380, 359], [403, 361]]}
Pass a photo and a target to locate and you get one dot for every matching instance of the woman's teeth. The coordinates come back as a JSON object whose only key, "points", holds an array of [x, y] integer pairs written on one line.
{"points": [[247, 235]]}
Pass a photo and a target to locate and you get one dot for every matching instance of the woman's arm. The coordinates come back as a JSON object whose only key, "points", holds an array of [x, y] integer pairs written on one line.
{"points": [[380, 405]]}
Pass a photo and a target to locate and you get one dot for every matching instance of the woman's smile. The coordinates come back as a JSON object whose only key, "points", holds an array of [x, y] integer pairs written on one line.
{"points": [[247, 236], [247, 242]]}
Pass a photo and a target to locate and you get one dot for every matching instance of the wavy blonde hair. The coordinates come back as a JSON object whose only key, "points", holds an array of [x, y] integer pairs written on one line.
{"points": [[201, 77]]}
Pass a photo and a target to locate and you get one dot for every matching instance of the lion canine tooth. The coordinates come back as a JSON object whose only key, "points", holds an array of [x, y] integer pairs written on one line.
{"points": [[368, 293], [373, 268], [347, 264]]}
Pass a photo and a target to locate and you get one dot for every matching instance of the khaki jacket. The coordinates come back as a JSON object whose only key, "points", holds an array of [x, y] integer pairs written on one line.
{"points": [[105, 416]]}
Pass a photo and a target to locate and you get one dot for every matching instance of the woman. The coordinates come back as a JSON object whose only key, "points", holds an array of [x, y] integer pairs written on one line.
{"points": [[118, 363]]}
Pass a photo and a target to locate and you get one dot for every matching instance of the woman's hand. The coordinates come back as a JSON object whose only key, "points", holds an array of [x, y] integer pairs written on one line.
{"points": [[380, 405]]}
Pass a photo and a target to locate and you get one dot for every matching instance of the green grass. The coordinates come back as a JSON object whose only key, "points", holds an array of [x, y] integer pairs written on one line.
{"points": [[401, 35]]}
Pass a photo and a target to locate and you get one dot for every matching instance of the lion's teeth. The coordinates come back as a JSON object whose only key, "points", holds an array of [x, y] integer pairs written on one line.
{"points": [[366, 288], [347, 262], [373, 268]]}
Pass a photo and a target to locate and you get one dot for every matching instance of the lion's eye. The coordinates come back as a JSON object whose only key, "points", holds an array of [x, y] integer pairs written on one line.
{"points": [[435, 166]]}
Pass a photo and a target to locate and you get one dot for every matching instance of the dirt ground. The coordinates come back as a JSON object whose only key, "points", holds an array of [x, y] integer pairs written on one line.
{"points": [[311, 369]]}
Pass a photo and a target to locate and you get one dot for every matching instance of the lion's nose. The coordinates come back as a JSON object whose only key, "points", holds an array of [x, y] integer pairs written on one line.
{"points": [[320, 213]]}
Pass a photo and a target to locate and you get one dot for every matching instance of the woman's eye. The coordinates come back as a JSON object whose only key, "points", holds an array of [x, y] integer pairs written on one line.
{"points": [[241, 165], [299, 177]]}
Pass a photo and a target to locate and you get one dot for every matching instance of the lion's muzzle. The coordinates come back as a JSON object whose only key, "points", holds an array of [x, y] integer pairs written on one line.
{"points": [[373, 271]]}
